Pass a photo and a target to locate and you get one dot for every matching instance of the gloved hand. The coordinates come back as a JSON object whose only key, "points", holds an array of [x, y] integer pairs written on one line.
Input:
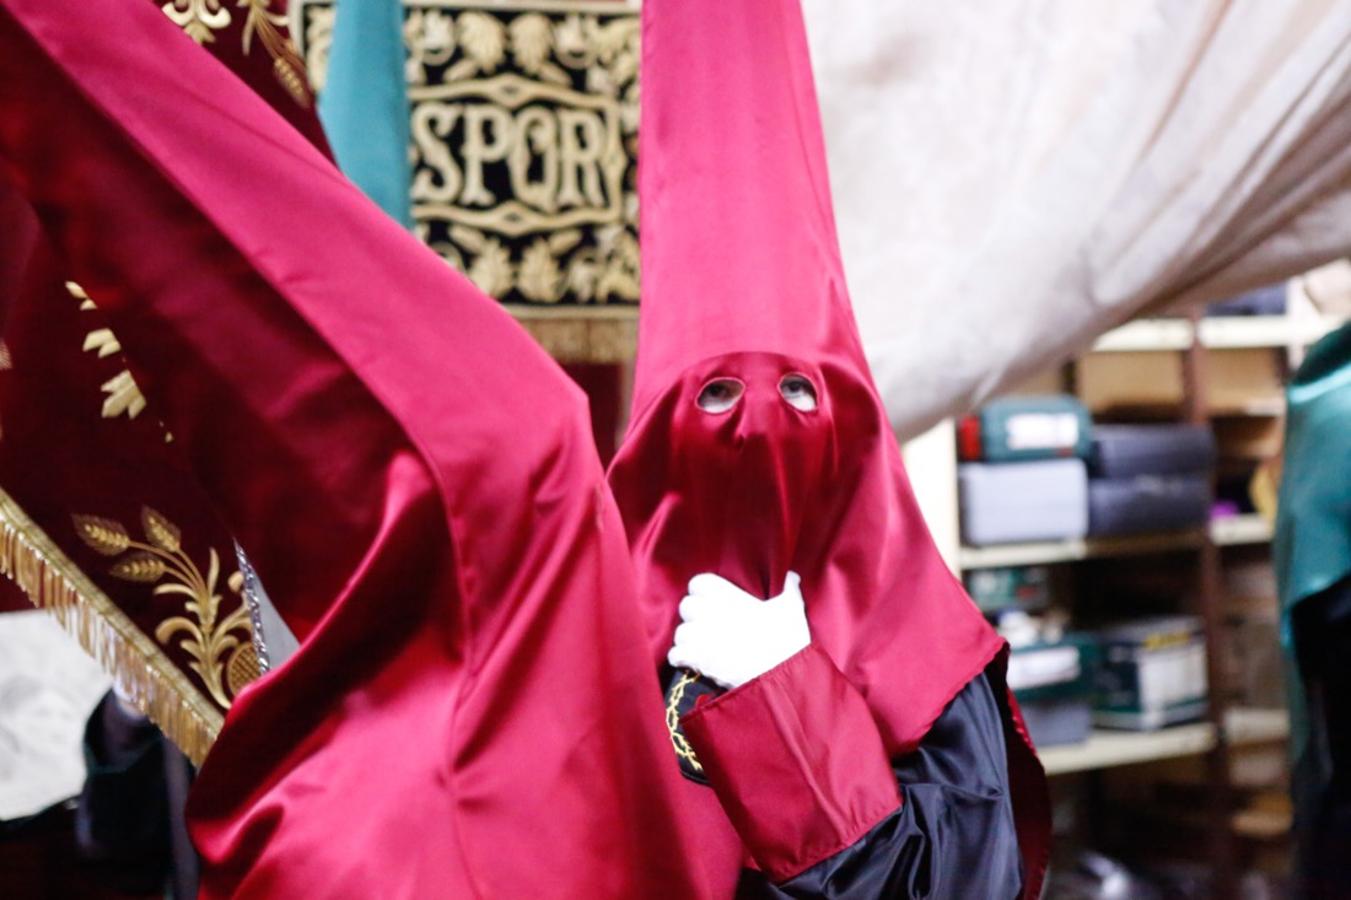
{"points": [[731, 636]]}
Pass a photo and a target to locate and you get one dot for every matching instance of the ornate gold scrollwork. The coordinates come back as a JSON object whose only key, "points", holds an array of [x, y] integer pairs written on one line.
{"points": [[201, 19], [524, 121]]}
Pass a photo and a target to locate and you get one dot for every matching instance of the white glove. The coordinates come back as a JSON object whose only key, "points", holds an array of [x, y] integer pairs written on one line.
{"points": [[731, 636]]}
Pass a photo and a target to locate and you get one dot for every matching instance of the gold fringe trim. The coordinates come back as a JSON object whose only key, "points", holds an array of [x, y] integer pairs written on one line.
{"points": [[582, 339], [137, 665]]}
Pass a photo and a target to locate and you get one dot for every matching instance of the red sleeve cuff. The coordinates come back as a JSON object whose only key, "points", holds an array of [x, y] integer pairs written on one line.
{"points": [[796, 761]]}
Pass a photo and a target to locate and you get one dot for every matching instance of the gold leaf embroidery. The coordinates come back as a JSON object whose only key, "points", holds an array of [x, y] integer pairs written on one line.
{"points": [[484, 40], [161, 532], [104, 341], [199, 18], [102, 535], [318, 33], [532, 39], [270, 27], [562, 241], [429, 37], [540, 278], [492, 270], [211, 645], [124, 396], [140, 567]]}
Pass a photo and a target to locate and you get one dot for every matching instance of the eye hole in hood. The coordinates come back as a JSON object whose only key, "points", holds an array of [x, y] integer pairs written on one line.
{"points": [[798, 391], [720, 395]]}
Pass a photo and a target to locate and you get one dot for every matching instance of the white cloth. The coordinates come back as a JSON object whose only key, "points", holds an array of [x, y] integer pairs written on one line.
{"points": [[48, 688], [1012, 179], [731, 636]]}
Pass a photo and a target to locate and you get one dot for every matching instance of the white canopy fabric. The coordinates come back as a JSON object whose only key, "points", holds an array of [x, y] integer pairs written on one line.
{"points": [[1013, 178]]}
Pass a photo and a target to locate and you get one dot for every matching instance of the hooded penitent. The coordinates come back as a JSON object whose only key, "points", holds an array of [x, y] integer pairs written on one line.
{"points": [[471, 712], [743, 289]]}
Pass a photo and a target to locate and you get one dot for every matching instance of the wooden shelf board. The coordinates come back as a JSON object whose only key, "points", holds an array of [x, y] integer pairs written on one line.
{"points": [[1106, 748], [1216, 333], [1146, 335], [1043, 552], [1253, 408], [1242, 332]]}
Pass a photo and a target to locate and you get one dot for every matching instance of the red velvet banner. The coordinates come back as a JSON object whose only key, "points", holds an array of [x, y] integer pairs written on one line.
{"points": [[100, 522]]}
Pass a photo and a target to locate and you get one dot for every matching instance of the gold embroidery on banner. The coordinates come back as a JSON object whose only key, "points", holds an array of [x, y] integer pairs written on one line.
{"points": [[199, 18], [103, 340], [51, 581], [272, 33], [483, 39], [124, 395], [213, 645], [678, 741], [243, 667], [524, 122], [317, 39]]}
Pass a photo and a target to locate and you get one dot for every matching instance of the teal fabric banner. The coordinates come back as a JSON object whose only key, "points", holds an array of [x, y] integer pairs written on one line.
{"points": [[1312, 546], [364, 102]]}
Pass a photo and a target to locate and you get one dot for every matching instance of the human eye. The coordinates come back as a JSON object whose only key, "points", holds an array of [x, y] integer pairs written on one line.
{"points": [[797, 390], [720, 395]]}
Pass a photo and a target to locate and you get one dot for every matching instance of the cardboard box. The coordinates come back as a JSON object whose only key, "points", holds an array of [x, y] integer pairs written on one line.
{"points": [[1238, 382], [1249, 438], [1120, 381]]}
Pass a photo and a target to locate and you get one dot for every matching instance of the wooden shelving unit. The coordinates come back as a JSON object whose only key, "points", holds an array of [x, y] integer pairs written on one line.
{"points": [[1224, 727], [1048, 552]]}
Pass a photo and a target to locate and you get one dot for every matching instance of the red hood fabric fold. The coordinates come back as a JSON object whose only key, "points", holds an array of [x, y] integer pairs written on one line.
{"points": [[471, 712], [743, 282]]}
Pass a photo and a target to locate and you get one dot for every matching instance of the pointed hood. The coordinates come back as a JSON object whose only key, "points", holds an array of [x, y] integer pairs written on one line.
{"points": [[738, 238], [758, 445]]}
